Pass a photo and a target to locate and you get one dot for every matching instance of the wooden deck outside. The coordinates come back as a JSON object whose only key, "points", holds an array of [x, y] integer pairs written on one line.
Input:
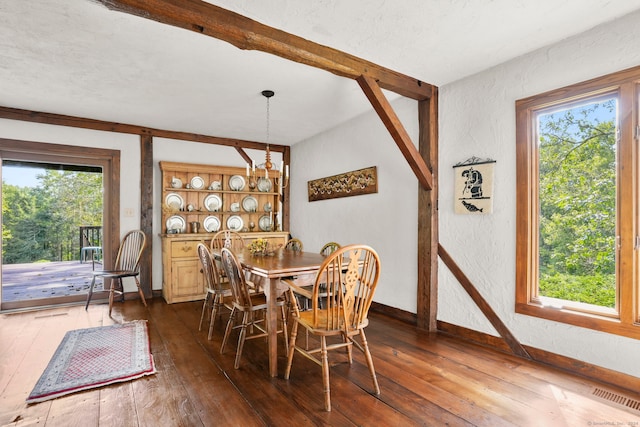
{"points": [[31, 281], [425, 380]]}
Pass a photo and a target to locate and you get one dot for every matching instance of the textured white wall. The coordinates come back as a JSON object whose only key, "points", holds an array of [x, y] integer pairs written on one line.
{"points": [[386, 220], [477, 117]]}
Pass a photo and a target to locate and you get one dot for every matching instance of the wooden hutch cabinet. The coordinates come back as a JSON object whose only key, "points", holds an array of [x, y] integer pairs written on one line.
{"points": [[200, 200]]}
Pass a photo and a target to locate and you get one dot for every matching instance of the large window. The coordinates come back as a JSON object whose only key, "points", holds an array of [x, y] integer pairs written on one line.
{"points": [[577, 204], [82, 158]]}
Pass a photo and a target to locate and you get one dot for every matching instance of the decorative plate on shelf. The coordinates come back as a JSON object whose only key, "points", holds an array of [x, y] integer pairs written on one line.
{"points": [[267, 207], [235, 223], [249, 204], [264, 185], [211, 224], [235, 207], [176, 224], [176, 182], [215, 185], [212, 203], [236, 183], [174, 201], [197, 183], [264, 223]]}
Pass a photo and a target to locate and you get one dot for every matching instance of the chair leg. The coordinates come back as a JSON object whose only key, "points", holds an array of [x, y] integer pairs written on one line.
{"points": [[241, 338], [90, 294], [325, 373], [346, 339], [139, 291], [367, 355], [285, 332], [227, 331], [217, 302], [204, 309], [292, 348], [111, 292]]}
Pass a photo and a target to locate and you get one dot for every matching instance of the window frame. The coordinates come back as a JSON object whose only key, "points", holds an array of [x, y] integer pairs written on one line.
{"points": [[623, 320], [107, 159]]}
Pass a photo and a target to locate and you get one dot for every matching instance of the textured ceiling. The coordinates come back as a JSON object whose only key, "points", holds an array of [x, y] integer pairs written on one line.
{"points": [[79, 58]]}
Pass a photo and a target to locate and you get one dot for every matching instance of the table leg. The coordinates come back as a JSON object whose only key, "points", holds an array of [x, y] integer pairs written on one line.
{"points": [[272, 324]]}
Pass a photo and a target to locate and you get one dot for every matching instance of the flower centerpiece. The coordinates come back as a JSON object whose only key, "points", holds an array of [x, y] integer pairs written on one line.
{"points": [[260, 247]]}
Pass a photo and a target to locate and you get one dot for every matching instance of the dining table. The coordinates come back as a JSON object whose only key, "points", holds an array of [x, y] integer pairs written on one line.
{"points": [[302, 267]]}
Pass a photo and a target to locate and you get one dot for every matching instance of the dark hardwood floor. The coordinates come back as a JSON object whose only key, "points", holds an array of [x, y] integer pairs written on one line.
{"points": [[424, 380]]}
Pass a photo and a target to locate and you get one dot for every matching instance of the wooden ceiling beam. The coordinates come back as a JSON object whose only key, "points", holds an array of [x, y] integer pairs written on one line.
{"points": [[84, 123], [245, 33], [384, 109]]}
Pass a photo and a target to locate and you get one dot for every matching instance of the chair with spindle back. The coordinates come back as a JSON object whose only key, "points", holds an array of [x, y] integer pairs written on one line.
{"points": [[294, 245], [349, 292], [329, 248], [127, 265], [303, 298], [218, 292], [248, 303], [227, 239]]}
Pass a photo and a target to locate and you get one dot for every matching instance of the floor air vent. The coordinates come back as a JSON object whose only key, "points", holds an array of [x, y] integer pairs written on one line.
{"points": [[617, 398], [42, 316]]}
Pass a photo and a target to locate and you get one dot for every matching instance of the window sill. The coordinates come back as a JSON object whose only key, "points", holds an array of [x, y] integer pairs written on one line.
{"points": [[597, 322]]}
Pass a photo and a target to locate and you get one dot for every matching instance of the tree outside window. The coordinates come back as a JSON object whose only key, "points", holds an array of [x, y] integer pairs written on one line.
{"points": [[577, 199]]}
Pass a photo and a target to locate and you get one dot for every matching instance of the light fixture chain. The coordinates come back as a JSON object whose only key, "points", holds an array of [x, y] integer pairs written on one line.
{"points": [[268, 119]]}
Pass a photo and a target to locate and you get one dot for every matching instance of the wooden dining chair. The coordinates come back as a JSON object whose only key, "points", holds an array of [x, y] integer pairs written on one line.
{"points": [[127, 265], [218, 293], [304, 299], [249, 304], [329, 248], [349, 291], [294, 245], [227, 239]]}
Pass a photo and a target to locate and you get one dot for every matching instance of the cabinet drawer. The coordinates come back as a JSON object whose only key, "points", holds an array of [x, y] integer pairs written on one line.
{"points": [[184, 249]]}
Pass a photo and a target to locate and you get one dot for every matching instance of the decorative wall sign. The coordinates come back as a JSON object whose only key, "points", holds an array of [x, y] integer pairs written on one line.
{"points": [[355, 183], [474, 186]]}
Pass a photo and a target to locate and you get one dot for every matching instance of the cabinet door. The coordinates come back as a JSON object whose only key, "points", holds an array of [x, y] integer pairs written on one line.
{"points": [[186, 280]]}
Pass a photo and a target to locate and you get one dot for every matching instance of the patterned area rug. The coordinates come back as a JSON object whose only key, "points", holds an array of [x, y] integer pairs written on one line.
{"points": [[94, 357]]}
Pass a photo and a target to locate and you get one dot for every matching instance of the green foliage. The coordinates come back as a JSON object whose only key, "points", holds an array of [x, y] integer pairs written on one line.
{"points": [[598, 289], [42, 223], [577, 193]]}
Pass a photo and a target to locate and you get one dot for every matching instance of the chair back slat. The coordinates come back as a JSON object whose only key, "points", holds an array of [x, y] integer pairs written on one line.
{"points": [[235, 275], [130, 251], [345, 292]]}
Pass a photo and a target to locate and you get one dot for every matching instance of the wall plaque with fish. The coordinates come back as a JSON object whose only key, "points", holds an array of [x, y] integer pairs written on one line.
{"points": [[474, 186]]}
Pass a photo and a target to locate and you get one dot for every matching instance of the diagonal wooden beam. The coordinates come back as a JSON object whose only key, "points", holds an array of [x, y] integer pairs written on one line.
{"points": [[245, 33], [244, 155], [482, 304], [397, 131]]}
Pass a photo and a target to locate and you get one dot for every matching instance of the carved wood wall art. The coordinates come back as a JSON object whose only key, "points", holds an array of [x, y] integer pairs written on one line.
{"points": [[354, 183]]}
